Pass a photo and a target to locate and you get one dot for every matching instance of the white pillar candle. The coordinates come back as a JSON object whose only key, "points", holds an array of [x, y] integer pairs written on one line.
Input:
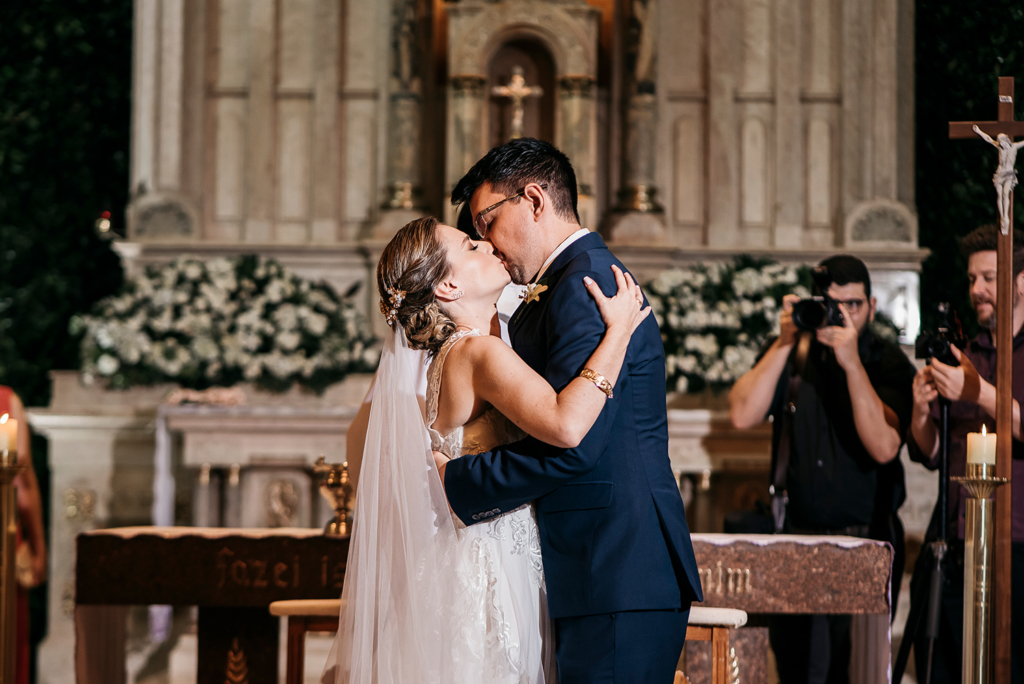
{"points": [[981, 447], [8, 433]]}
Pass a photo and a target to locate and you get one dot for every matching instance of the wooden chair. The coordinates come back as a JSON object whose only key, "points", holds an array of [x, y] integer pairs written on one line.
{"points": [[706, 624], [304, 616], [713, 624]]}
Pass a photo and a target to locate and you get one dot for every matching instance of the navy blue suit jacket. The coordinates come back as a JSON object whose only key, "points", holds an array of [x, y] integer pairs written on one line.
{"points": [[612, 525]]}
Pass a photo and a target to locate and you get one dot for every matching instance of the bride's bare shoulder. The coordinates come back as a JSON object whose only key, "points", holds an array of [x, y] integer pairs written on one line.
{"points": [[481, 349]]}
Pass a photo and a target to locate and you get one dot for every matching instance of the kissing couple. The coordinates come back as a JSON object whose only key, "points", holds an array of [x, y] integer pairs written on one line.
{"points": [[525, 525]]}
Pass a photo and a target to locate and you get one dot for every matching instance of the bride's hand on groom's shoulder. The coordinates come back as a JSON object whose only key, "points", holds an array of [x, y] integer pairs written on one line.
{"points": [[625, 310]]}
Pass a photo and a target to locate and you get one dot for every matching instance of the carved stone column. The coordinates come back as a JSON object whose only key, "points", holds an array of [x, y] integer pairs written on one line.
{"points": [[466, 102], [577, 137], [637, 215], [405, 105]]}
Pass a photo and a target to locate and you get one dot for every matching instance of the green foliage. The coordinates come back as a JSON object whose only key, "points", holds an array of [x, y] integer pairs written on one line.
{"points": [[65, 79], [962, 49]]}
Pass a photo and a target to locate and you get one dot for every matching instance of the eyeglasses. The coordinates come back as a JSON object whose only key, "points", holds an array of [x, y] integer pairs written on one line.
{"points": [[478, 222], [852, 304]]}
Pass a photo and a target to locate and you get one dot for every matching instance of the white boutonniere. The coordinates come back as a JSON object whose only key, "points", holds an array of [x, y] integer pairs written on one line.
{"points": [[533, 291], [532, 294]]}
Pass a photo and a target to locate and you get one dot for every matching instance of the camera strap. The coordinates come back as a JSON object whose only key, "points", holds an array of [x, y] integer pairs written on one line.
{"points": [[780, 497]]}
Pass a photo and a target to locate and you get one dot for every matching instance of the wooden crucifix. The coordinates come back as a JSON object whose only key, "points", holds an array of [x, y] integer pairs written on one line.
{"points": [[1001, 133]]}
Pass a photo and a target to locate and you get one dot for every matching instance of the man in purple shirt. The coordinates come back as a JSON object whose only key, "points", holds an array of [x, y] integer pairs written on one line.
{"points": [[971, 388]]}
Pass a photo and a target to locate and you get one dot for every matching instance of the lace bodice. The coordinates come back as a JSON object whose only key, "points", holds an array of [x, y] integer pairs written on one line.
{"points": [[501, 574], [483, 433]]}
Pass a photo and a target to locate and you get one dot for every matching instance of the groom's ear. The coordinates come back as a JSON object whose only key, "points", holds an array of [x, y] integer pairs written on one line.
{"points": [[537, 199]]}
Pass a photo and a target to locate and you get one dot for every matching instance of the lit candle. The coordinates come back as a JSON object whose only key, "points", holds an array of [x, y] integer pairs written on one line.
{"points": [[981, 447], [8, 433]]}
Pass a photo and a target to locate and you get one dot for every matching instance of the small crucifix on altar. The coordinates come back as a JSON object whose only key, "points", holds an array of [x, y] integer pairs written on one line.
{"points": [[1000, 133], [517, 91]]}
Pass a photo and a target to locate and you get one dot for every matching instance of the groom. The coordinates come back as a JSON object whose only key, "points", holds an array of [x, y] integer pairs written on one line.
{"points": [[618, 561]]}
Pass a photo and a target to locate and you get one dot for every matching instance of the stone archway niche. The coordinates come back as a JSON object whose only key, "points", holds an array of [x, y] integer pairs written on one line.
{"points": [[477, 33], [538, 66]]}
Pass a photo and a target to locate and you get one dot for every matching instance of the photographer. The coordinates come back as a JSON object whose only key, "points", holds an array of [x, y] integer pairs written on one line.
{"points": [[848, 394], [971, 388]]}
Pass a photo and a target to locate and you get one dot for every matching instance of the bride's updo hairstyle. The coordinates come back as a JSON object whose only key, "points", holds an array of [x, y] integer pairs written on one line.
{"points": [[412, 265]]}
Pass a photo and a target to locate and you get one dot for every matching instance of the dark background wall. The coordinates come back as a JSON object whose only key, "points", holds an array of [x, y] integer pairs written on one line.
{"points": [[65, 87], [962, 48]]}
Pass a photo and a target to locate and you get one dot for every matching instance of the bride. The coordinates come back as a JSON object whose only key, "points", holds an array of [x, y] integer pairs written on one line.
{"points": [[427, 599]]}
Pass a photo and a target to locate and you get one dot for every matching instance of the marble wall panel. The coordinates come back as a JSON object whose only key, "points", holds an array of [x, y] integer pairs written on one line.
{"points": [[688, 169], [789, 127], [293, 150], [230, 158], [819, 172], [295, 58], [233, 44], [757, 47], [822, 41], [724, 32], [325, 159], [259, 167], [682, 46], [361, 44], [360, 136], [144, 94], [172, 34], [754, 172]]}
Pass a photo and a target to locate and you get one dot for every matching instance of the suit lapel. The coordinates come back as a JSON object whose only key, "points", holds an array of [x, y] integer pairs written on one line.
{"points": [[552, 275]]}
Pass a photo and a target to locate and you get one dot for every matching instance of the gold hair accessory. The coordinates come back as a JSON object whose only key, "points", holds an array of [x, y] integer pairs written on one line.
{"points": [[395, 297], [599, 381]]}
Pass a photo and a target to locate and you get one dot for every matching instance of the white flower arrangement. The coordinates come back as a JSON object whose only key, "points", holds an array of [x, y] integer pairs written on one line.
{"points": [[220, 322], [715, 318]]}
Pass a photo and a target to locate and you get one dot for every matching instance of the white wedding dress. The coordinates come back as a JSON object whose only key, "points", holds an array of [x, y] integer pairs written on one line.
{"points": [[505, 636], [427, 599]]}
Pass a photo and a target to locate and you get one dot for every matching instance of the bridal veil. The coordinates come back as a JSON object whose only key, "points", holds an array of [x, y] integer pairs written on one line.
{"points": [[397, 617]]}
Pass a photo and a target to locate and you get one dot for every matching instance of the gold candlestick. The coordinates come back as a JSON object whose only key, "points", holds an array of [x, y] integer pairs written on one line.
{"points": [[9, 469], [336, 487], [980, 483]]}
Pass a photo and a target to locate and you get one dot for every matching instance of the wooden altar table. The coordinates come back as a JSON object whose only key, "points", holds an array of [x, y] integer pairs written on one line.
{"points": [[234, 574]]}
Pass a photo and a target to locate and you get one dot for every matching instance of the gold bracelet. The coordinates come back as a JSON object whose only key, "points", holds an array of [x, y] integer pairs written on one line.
{"points": [[598, 380]]}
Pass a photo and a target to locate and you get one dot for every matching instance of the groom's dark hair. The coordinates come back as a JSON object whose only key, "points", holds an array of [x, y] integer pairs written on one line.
{"points": [[510, 167]]}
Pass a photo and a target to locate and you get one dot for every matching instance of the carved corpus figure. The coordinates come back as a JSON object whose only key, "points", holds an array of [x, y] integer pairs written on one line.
{"points": [[1005, 178], [517, 91]]}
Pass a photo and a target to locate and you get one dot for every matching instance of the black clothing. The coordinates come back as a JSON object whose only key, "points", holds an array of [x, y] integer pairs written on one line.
{"points": [[835, 487], [832, 481]]}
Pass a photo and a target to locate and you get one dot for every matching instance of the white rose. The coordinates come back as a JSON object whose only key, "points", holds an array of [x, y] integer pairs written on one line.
{"points": [[288, 340], [107, 365], [193, 270]]}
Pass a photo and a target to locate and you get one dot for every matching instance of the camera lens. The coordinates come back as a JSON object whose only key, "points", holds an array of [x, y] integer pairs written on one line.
{"points": [[809, 314]]}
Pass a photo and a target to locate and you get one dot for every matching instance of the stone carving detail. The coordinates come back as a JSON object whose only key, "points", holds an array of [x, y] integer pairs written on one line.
{"points": [[643, 53], [576, 86], [469, 86], [405, 44], [564, 35], [162, 217], [282, 504], [881, 221]]}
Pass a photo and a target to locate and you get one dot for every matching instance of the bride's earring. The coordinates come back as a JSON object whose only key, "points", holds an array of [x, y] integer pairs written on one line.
{"points": [[456, 295]]}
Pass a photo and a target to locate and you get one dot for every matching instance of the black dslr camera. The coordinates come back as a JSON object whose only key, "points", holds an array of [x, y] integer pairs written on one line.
{"points": [[936, 345], [818, 312]]}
